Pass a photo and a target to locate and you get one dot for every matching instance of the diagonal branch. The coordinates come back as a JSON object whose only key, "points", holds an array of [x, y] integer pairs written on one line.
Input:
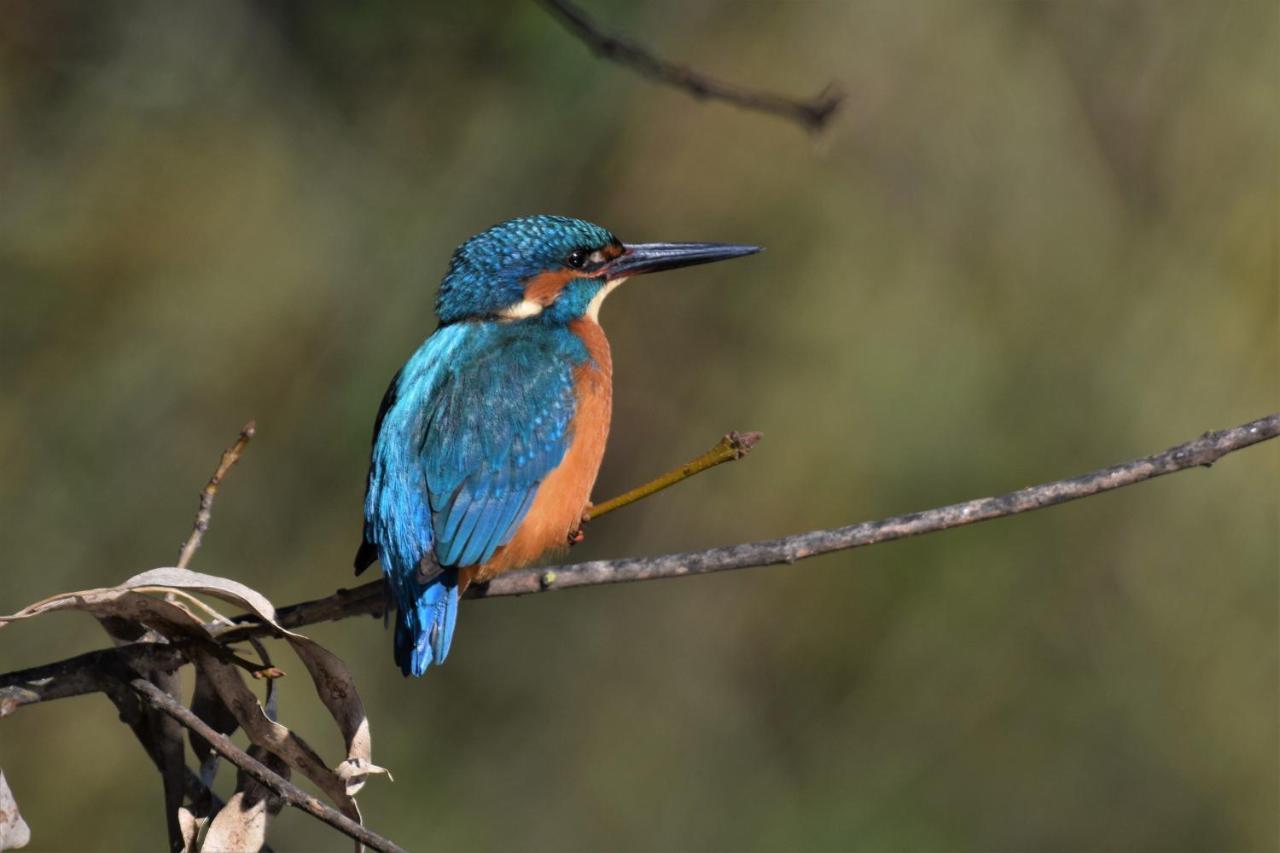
{"points": [[812, 114], [286, 790], [67, 678]]}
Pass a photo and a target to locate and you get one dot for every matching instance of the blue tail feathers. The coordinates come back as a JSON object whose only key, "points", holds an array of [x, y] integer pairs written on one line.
{"points": [[425, 618]]}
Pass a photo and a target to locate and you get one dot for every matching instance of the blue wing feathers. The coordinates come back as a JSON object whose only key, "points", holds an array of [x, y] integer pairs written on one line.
{"points": [[473, 423]]}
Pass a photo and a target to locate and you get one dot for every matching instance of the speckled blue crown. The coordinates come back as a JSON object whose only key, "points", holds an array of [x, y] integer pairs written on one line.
{"points": [[488, 272]]}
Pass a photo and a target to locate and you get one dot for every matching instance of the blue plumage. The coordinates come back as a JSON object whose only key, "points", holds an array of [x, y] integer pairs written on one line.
{"points": [[473, 423]]}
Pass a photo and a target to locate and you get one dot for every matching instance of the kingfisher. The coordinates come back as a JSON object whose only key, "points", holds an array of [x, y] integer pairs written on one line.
{"points": [[489, 438]]}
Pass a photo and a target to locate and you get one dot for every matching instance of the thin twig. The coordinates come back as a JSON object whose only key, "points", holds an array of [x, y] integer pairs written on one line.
{"points": [[66, 678], [229, 457], [283, 788], [812, 114], [733, 446]]}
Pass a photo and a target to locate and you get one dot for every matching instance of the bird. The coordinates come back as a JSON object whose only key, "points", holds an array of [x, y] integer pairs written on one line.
{"points": [[488, 441]]}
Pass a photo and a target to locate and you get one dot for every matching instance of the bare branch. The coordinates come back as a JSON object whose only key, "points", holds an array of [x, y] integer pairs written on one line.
{"points": [[83, 673], [286, 790], [1203, 451], [229, 457], [370, 598], [812, 114], [67, 678]]}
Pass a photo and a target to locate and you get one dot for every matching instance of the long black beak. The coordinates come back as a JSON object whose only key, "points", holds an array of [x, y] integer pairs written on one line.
{"points": [[639, 258]]}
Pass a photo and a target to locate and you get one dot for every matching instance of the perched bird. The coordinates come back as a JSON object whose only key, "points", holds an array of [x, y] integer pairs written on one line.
{"points": [[487, 443]]}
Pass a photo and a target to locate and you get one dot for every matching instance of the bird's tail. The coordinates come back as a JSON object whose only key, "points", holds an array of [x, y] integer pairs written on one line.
{"points": [[425, 618]]}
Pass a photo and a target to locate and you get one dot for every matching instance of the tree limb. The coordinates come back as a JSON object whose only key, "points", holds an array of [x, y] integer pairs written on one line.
{"points": [[286, 790], [812, 114], [67, 678], [1202, 451]]}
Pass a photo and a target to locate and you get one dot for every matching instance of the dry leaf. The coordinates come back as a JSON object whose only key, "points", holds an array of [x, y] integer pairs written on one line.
{"points": [[237, 827], [241, 824], [168, 579], [354, 771], [190, 829], [14, 832], [337, 690], [171, 618]]}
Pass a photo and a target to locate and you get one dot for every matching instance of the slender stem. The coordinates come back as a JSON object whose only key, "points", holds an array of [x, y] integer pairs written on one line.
{"points": [[286, 790], [733, 446], [229, 457], [812, 114]]}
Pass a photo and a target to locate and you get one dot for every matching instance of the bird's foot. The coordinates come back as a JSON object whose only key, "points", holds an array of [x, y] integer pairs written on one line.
{"points": [[577, 534]]}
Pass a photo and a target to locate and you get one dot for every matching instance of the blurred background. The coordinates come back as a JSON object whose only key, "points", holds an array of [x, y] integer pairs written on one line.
{"points": [[1038, 238]]}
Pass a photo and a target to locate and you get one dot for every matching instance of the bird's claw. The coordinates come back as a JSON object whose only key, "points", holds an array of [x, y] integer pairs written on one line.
{"points": [[577, 535]]}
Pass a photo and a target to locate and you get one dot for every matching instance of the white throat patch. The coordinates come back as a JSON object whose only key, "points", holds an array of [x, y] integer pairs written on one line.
{"points": [[593, 307], [526, 308], [522, 309]]}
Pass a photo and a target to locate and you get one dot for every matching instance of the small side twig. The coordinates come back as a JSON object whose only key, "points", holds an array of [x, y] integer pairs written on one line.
{"points": [[733, 446], [229, 457], [811, 114], [259, 671], [286, 790]]}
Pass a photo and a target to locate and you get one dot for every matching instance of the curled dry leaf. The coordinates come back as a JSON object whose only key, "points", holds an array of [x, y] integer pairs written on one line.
{"points": [[170, 579], [14, 832], [191, 826], [337, 690], [355, 771], [241, 824], [171, 618]]}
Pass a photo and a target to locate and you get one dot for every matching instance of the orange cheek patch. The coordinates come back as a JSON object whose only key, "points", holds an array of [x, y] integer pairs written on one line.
{"points": [[543, 288]]}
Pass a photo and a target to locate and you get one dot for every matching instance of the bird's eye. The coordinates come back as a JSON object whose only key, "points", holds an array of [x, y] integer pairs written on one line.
{"points": [[577, 259]]}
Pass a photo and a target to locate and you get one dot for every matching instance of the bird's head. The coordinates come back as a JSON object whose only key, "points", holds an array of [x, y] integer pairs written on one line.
{"points": [[554, 269]]}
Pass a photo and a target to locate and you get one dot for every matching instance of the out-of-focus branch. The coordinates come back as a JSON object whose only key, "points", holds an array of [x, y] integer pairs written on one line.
{"points": [[66, 678], [229, 457], [811, 114], [286, 790]]}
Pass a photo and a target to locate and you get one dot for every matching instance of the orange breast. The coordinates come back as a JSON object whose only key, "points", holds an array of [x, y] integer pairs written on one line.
{"points": [[561, 499]]}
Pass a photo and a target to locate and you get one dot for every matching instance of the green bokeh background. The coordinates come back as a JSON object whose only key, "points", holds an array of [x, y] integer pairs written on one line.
{"points": [[1038, 238]]}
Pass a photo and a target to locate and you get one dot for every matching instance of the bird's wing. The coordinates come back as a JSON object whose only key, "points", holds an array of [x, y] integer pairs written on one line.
{"points": [[368, 550], [497, 424]]}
